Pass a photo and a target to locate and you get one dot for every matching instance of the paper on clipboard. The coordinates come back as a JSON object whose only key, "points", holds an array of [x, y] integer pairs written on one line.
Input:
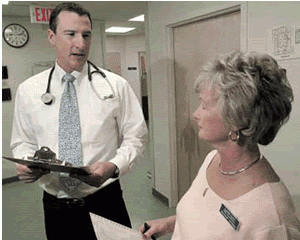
{"points": [[106, 229], [50, 166]]}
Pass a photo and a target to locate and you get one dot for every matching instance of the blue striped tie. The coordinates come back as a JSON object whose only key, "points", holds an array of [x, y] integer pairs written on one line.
{"points": [[69, 135]]}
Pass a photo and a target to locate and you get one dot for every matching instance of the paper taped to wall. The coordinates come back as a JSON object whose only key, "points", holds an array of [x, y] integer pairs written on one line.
{"points": [[284, 41], [106, 229]]}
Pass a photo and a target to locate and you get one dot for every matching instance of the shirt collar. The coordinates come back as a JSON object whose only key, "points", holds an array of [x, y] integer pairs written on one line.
{"points": [[59, 73]]}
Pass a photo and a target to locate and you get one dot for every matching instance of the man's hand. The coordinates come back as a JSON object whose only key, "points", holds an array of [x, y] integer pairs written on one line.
{"points": [[99, 173], [30, 175]]}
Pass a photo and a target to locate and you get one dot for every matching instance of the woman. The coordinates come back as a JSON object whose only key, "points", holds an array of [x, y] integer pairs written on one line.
{"points": [[244, 100]]}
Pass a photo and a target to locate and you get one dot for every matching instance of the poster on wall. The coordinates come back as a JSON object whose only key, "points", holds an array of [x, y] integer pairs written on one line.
{"points": [[284, 41]]}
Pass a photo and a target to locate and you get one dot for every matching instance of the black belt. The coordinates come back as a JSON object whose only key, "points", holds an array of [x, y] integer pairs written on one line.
{"points": [[79, 203], [72, 203]]}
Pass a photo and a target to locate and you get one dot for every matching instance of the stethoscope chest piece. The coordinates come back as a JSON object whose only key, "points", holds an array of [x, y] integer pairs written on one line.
{"points": [[47, 98]]}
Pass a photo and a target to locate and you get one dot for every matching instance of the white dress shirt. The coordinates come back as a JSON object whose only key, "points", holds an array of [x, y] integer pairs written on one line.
{"points": [[112, 130]]}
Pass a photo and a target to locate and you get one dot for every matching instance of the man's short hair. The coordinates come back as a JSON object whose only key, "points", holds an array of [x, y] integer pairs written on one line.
{"points": [[69, 7]]}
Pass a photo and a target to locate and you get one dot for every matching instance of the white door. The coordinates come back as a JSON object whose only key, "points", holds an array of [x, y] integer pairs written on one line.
{"points": [[194, 43], [114, 62]]}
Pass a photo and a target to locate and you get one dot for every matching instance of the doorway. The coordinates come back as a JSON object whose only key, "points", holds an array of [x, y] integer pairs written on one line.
{"points": [[193, 44], [143, 81], [114, 62]]}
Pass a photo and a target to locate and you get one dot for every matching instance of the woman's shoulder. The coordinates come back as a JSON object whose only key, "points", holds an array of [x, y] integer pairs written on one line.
{"points": [[274, 204], [283, 201], [209, 157]]}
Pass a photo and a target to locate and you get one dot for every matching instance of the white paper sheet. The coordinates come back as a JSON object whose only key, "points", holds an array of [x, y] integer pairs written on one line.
{"points": [[108, 230], [284, 41]]}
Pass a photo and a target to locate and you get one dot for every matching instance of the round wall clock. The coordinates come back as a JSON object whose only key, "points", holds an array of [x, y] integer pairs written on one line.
{"points": [[15, 35]]}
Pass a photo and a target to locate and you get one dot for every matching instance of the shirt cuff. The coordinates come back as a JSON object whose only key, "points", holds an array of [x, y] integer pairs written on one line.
{"points": [[121, 163]]}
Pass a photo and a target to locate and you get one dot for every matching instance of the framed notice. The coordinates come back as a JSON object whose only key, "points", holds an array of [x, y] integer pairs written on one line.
{"points": [[284, 41]]}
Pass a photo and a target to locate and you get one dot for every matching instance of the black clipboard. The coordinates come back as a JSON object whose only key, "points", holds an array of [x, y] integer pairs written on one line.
{"points": [[55, 167]]}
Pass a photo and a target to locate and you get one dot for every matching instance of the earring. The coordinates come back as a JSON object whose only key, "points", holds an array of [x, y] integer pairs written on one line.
{"points": [[234, 135]]}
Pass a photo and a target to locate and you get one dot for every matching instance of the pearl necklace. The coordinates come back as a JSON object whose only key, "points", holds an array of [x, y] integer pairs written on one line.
{"points": [[241, 170]]}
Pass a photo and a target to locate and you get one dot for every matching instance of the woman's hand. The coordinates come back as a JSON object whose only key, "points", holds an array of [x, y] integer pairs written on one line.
{"points": [[30, 175], [159, 227]]}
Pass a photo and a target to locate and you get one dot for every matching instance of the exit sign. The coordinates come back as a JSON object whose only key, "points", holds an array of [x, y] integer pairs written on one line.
{"points": [[40, 14]]}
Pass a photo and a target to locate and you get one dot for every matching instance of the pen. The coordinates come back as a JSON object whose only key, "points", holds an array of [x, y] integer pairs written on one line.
{"points": [[146, 226]]}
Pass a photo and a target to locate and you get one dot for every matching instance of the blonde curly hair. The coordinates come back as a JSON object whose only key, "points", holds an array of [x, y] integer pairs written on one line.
{"points": [[254, 94]]}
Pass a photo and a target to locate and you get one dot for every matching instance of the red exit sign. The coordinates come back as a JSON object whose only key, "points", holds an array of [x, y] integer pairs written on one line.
{"points": [[40, 14]]}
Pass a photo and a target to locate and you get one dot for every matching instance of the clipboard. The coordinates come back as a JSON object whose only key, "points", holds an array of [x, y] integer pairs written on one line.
{"points": [[52, 166]]}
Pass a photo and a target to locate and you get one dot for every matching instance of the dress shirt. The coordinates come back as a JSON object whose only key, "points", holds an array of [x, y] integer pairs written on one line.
{"points": [[112, 130], [266, 212]]}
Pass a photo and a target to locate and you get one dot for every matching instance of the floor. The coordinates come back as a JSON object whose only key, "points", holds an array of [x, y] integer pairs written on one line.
{"points": [[22, 212]]}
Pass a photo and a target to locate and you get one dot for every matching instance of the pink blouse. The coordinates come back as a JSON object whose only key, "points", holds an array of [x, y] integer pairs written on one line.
{"points": [[266, 212]]}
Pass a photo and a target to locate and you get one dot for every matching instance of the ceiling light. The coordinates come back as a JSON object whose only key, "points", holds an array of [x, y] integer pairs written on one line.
{"points": [[140, 18], [119, 29]]}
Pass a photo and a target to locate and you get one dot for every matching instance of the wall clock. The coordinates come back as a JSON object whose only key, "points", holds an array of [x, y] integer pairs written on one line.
{"points": [[15, 35]]}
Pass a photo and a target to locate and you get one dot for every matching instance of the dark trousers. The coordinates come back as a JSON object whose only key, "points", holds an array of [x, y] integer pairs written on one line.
{"points": [[70, 219]]}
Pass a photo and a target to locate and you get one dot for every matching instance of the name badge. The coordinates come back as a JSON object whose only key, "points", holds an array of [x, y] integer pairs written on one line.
{"points": [[233, 221]]}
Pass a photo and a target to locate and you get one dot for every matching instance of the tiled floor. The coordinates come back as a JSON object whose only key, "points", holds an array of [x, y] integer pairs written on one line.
{"points": [[22, 211]]}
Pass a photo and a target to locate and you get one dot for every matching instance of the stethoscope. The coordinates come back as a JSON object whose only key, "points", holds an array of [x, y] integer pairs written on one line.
{"points": [[48, 98]]}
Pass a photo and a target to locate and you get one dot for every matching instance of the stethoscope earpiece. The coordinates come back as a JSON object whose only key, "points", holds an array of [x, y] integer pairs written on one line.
{"points": [[47, 98]]}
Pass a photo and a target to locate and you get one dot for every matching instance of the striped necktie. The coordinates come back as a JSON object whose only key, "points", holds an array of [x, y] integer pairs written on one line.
{"points": [[69, 134]]}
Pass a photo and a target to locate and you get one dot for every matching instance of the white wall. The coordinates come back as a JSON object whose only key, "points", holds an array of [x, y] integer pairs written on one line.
{"points": [[257, 18], [20, 61], [128, 47]]}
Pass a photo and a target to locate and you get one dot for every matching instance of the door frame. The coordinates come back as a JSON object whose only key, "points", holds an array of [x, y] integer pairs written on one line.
{"points": [[243, 9]]}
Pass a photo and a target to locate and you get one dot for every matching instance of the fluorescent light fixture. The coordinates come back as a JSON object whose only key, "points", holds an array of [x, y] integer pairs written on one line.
{"points": [[119, 29], [140, 18]]}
